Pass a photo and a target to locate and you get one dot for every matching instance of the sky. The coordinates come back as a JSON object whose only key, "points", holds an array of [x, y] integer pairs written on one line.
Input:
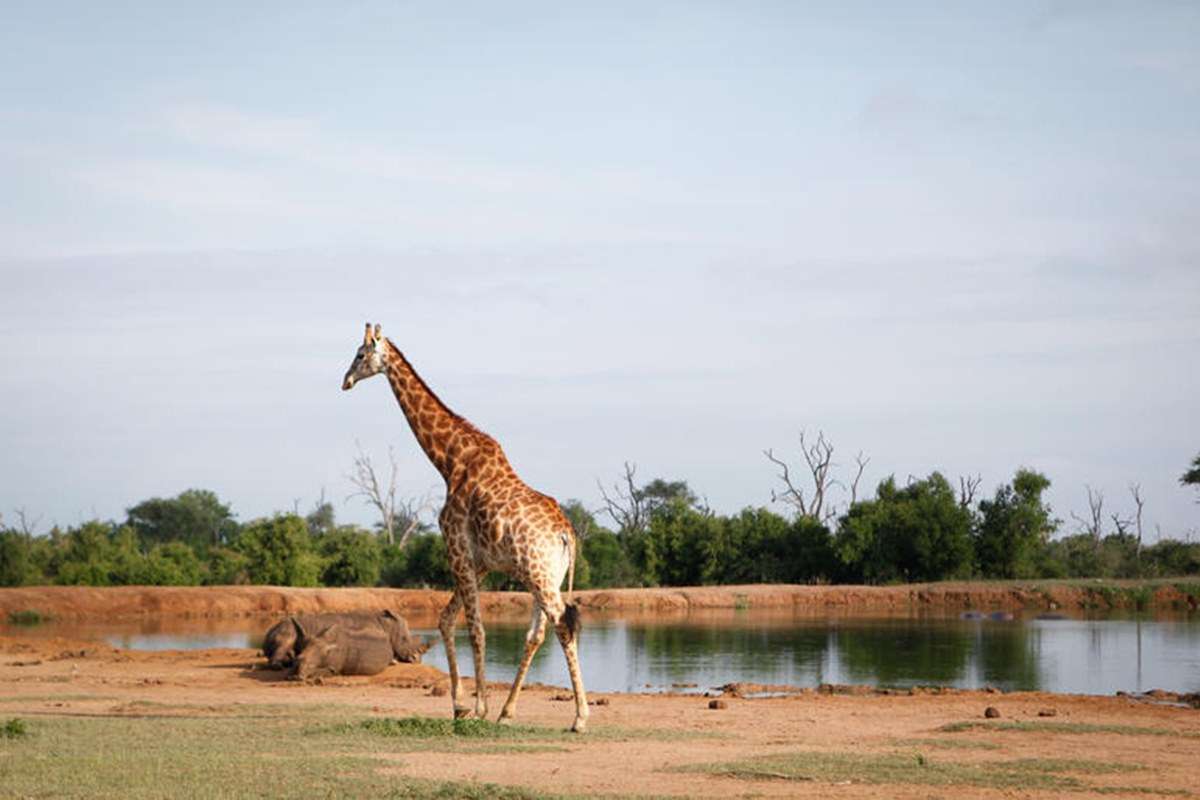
{"points": [[962, 238]]}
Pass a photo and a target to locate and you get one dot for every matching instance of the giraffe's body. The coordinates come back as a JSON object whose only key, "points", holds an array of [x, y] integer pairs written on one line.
{"points": [[492, 522]]}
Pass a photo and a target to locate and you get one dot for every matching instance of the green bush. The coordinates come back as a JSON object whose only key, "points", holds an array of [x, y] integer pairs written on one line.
{"points": [[14, 729], [916, 533], [26, 617], [227, 567], [350, 557], [279, 552], [421, 563], [17, 565], [1014, 527]]}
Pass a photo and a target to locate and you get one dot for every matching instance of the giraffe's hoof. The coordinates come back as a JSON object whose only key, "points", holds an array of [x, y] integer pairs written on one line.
{"points": [[461, 713], [580, 725], [505, 718]]}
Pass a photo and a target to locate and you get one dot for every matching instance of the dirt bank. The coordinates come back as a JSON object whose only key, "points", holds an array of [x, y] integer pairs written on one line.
{"points": [[126, 602], [664, 745]]}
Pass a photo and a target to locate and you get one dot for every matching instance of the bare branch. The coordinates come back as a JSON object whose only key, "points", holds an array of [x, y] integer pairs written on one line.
{"points": [[410, 513], [792, 496], [625, 505], [1094, 525], [862, 465], [968, 486], [373, 492], [818, 457], [1135, 489], [28, 528]]}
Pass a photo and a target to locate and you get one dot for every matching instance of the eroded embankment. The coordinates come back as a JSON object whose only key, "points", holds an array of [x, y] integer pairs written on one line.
{"points": [[127, 602]]}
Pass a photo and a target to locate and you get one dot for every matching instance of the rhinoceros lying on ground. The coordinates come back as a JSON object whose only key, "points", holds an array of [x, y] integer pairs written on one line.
{"points": [[341, 649], [286, 639]]}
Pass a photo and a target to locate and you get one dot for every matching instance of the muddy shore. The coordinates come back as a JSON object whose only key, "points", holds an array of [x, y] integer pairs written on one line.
{"points": [[129, 602]]}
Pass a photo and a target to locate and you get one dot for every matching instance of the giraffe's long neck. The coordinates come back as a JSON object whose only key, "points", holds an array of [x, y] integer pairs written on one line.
{"points": [[434, 425]]}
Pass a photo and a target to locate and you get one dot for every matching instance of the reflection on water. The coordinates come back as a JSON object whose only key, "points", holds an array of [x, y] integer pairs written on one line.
{"points": [[1092, 656]]}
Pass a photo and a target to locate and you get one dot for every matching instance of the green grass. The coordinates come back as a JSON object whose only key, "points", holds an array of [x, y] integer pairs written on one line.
{"points": [[951, 744], [1188, 588], [441, 732], [901, 768], [432, 728], [454, 735], [1064, 727], [264, 750], [53, 698], [14, 729], [274, 755], [460, 790], [27, 616]]}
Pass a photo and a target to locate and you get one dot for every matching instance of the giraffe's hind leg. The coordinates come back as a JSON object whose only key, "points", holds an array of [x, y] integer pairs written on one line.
{"points": [[533, 640], [566, 625]]}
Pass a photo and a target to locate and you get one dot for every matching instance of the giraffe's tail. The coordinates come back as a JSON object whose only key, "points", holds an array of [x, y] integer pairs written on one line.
{"points": [[571, 572], [571, 616]]}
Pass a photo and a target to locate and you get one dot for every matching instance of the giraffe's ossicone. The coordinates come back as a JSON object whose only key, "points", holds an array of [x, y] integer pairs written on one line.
{"points": [[491, 521]]}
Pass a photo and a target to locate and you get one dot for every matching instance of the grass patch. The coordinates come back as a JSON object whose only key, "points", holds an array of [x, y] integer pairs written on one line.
{"points": [[118, 757], [27, 617], [1188, 588], [900, 768], [436, 728], [14, 729], [953, 744], [417, 789], [446, 730], [54, 698], [1064, 727]]}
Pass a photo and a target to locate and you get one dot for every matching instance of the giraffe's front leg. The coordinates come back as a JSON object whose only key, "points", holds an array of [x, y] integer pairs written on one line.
{"points": [[446, 626], [478, 647]]}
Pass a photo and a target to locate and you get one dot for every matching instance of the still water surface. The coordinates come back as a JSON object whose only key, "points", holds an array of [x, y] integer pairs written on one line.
{"points": [[1082, 655]]}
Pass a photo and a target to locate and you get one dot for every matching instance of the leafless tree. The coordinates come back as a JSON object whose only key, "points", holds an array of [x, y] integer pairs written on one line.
{"points": [[861, 462], [968, 487], [818, 458], [27, 527], [374, 491], [625, 504], [379, 492], [408, 516], [1135, 489], [1094, 525]]}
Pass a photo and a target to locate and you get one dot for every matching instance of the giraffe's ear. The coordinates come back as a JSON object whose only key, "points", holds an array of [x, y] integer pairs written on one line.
{"points": [[367, 334]]}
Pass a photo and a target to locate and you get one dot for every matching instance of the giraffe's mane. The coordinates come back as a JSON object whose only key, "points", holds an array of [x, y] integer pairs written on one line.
{"points": [[442, 405]]}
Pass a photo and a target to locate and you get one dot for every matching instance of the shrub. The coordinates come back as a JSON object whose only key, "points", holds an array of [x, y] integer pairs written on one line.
{"points": [[350, 557], [279, 552]]}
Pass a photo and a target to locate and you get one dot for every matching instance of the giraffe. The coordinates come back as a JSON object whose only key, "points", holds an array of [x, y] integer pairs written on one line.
{"points": [[491, 521]]}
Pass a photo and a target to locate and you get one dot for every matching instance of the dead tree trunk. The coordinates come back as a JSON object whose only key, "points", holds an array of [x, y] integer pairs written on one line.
{"points": [[1135, 489], [375, 492]]}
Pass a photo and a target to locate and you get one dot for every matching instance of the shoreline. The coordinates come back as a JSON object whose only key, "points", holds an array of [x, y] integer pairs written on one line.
{"points": [[214, 602]]}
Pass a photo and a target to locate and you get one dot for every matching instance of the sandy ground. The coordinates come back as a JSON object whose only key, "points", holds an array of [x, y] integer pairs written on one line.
{"points": [[61, 677]]}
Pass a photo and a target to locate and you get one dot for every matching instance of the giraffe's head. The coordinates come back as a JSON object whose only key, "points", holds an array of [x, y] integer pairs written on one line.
{"points": [[368, 360]]}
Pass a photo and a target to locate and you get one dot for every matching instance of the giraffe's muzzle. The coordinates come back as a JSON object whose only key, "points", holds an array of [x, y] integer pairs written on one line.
{"points": [[347, 382]]}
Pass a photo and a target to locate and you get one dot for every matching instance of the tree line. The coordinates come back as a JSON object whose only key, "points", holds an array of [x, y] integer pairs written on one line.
{"points": [[661, 534]]}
